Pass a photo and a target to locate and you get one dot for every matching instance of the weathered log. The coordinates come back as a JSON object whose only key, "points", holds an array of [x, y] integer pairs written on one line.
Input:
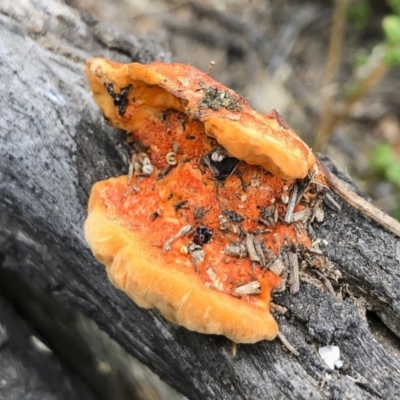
{"points": [[54, 146], [28, 369]]}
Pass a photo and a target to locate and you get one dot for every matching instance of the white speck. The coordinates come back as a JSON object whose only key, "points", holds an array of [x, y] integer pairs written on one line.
{"points": [[331, 356], [184, 250], [39, 345], [146, 161], [255, 182], [214, 156], [171, 158], [54, 95], [104, 367], [147, 168], [215, 281]]}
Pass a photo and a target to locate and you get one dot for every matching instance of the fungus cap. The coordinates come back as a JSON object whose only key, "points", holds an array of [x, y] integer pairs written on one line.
{"points": [[154, 281], [258, 139]]}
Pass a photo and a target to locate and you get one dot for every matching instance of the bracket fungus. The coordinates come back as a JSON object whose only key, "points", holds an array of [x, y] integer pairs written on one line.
{"points": [[126, 92], [168, 237], [195, 226]]}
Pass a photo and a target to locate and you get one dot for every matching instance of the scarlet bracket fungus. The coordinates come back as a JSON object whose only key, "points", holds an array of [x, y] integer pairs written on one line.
{"points": [[258, 139], [194, 239]]}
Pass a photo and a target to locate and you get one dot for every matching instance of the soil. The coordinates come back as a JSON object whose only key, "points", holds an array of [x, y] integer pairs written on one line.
{"points": [[274, 53]]}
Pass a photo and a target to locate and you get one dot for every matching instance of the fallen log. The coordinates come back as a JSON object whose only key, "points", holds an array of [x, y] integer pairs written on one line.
{"points": [[28, 368], [54, 147]]}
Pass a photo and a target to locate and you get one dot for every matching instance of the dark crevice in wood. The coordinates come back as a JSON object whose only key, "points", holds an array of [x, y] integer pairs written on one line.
{"points": [[382, 334]]}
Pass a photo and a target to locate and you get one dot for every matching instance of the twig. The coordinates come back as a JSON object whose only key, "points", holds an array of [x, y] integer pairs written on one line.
{"points": [[251, 249], [316, 251], [131, 189], [294, 273], [327, 282], [304, 186], [303, 214], [329, 198], [287, 344], [259, 251], [342, 190], [331, 71], [291, 204], [182, 232], [278, 308]]}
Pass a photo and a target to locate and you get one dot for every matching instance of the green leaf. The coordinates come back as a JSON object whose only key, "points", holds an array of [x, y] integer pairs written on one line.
{"points": [[395, 5], [391, 28], [382, 157], [392, 55], [393, 173]]}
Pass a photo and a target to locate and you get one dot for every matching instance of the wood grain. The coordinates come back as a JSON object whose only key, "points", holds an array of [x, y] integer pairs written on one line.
{"points": [[54, 146]]}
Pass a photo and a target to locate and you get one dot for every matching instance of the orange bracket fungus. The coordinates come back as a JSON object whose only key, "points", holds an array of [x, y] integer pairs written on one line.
{"points": [[209, 202]]}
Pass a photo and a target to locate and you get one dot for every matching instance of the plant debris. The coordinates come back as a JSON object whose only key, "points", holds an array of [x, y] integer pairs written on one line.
{"points": [[215, 99]]}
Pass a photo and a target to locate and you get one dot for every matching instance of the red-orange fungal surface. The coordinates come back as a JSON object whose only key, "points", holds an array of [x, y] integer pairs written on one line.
{"points": [[193, 192]]}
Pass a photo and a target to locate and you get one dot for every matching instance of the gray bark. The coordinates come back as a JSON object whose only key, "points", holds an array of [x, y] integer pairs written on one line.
{"points": [[53, 147], [28, 369]]}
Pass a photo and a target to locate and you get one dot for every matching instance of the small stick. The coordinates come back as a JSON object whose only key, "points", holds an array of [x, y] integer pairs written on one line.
{"points": [[259, 251], [211, 67], [342, 190], [130, 172], [316, 251], [163, 173], [306, 213], [327, 282], [131, 189], [251, 249], [276, 215], [253, 287], [331, 200], [291, 204], [301, 192], [287, 344], [279, 309], [294, 273], [182, 232], [234, 349]]}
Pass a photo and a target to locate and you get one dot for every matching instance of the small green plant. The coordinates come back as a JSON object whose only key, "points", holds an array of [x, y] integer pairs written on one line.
{"points": [[391, 28], [369, 69], [383, 160], [385, 163]]}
